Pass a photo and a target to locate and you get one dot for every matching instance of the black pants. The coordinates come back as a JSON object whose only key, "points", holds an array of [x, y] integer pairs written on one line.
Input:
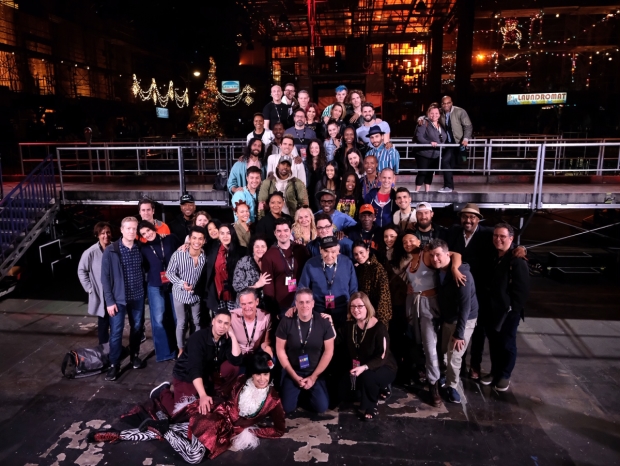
{"points": [[371, 382], [447, 163], [426, 169], [103, 328], [503, 347]]}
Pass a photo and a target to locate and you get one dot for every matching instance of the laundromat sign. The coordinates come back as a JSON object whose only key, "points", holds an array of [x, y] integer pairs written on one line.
{"points": [[230, 87], [537, 99]]}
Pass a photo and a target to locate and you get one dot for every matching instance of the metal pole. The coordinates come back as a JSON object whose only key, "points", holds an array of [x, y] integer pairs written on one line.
{"points": [[21, 158], [181, 171], [541, 174], [572, 236], [62, 185]]}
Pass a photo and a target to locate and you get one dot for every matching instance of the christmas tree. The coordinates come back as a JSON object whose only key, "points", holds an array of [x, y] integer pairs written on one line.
{"points": [[205, 119]]}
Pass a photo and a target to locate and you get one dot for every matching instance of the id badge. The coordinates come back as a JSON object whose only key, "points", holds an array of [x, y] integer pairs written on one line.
{"points": [[292, 285], [163, 277], [330, 301], [356, 363], [304, 361]]}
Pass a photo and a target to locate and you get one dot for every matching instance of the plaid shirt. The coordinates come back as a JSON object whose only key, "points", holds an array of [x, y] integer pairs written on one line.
{"points": [[133, 275]]}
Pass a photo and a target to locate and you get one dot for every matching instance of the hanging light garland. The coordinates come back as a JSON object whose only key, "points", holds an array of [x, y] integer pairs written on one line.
{"points": [[152, 93], [244, 96], [510, 33]]}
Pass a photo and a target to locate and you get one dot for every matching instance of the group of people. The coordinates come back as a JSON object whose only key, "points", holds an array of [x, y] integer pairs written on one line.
{"points": [[329, 294], [321, 149]]}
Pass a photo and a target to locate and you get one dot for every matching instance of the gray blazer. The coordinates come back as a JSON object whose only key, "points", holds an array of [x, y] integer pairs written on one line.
{"points": [[460, 123], [89, 272]]}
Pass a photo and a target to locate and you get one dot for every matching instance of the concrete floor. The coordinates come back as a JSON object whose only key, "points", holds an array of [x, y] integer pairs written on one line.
{"points": [[562, 409]]}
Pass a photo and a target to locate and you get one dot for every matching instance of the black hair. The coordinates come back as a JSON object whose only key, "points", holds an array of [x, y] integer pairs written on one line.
{"points": [[258, 363], [357, 190], [402, 189], [219, 311], [507, 226], [322, 158], [253, 169], [359, 243], [281, 221], [198, 229], [235, 252], [253, 240], [323, 216], [146, 200], [100, 226], [248, 148], [438, 243], [146, 224]]}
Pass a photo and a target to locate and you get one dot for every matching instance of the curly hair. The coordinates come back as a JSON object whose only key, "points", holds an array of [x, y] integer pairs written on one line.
{"points": [[354, 91]]}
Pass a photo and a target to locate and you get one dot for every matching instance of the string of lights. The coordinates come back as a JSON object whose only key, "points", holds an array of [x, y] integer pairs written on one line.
{"points": [[244, 95], [152, 93]]}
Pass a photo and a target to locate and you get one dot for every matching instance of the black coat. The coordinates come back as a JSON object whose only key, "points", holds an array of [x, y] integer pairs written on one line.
{"points": [[509, 287], [457, 304]]}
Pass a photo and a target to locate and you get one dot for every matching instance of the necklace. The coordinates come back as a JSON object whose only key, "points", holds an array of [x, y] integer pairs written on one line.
{"points": [[303, 138]]}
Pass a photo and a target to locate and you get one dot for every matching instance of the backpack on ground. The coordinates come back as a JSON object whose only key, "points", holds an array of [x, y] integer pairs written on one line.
{"points": [[85, 362]]}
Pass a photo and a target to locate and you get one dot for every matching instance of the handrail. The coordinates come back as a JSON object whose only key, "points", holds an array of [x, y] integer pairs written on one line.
{"points": [[25, 206]]}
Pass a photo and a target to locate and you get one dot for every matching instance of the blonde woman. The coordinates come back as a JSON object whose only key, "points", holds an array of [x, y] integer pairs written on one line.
{"points": [[304, 228]]}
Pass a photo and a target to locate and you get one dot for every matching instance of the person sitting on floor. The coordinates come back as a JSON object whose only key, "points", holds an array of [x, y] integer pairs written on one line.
{"points": [[210, 432]]}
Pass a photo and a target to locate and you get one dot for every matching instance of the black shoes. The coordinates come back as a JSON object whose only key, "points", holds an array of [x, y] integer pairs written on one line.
{"points": [[136, 362], [113, 373], [160, 426]]}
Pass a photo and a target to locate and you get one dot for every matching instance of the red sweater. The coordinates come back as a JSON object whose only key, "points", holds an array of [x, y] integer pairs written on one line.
{"points": [[277, 296]]}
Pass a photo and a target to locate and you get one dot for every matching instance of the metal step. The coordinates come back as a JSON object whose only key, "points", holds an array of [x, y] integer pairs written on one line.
{"points": [[577, 274], [570, 259]]}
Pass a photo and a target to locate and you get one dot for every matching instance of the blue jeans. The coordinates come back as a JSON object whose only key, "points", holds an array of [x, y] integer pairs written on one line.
{"points": [[162, 318], [289, 393], [134, 309]]}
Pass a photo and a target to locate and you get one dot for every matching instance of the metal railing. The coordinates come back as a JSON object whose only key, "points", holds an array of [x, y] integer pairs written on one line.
{"points": [[530, 159], [24, 210]]}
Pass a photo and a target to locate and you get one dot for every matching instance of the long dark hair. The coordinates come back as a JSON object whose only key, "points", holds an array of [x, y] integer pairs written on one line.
{"points": [[347, 167], [334, 164], [248, 148], [235, 250], [357, 190], [321, 158]]}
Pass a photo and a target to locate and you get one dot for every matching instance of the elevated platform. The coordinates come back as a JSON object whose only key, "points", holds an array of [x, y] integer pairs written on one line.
{"points": [[489, 192]]}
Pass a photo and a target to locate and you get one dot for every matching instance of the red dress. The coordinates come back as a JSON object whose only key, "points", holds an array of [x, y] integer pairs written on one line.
{"points": [[216, 429]]}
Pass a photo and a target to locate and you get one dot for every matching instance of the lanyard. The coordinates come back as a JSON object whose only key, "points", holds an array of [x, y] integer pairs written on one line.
{"points": [[245, 329], [163, 255], [303, 138], [330, 283], [277, 111], [354, 336], [290, 266], [304, 343]]}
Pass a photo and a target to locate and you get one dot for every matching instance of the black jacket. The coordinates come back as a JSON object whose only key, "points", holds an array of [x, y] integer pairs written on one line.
{"points": [[437, 231], [457, 304], [199, 358], [179, 227], [509, 287], [479, 253]]}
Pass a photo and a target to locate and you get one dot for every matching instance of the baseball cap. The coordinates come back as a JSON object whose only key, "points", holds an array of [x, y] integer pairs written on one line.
{"points": [[367, 208], [285, 159], [186, 198], [328, 242], [422, 206]]}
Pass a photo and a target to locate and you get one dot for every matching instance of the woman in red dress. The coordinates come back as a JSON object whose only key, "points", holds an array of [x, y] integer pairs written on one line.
{"points": [[231, 424]]}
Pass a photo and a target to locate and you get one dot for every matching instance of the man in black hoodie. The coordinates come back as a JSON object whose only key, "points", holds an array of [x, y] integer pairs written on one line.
{"points": [[459, 311], [180, 226]]}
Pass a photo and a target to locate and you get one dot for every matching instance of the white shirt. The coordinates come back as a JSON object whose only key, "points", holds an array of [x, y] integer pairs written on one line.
{"points": [[297, 169]]}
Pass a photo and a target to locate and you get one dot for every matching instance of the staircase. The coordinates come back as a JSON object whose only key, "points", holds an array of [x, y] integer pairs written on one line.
{"points": [[26, 212], [587, 266]]}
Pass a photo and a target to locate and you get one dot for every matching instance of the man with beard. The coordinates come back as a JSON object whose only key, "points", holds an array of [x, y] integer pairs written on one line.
{"points": [[327, 201], [475, 243], [289, 95], [370, 120], [386, 157], [370, 180], [288, 151], [302, 134], [274, 147], [276, 110], [249, 193], [426, 229], [283, 180], [252, 157], [366, 230]]}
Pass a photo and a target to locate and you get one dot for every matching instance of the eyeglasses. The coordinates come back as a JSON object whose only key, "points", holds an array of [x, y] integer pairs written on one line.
{"points": [[361, 306], [328, 227]]}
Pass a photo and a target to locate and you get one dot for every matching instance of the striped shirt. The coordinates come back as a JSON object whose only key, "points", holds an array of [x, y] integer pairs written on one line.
{"points": [[181, 270], [386, 158]]}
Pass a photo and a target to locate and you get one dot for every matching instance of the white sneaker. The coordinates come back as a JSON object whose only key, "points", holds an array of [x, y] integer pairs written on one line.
{"points": [[445, 190]]}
